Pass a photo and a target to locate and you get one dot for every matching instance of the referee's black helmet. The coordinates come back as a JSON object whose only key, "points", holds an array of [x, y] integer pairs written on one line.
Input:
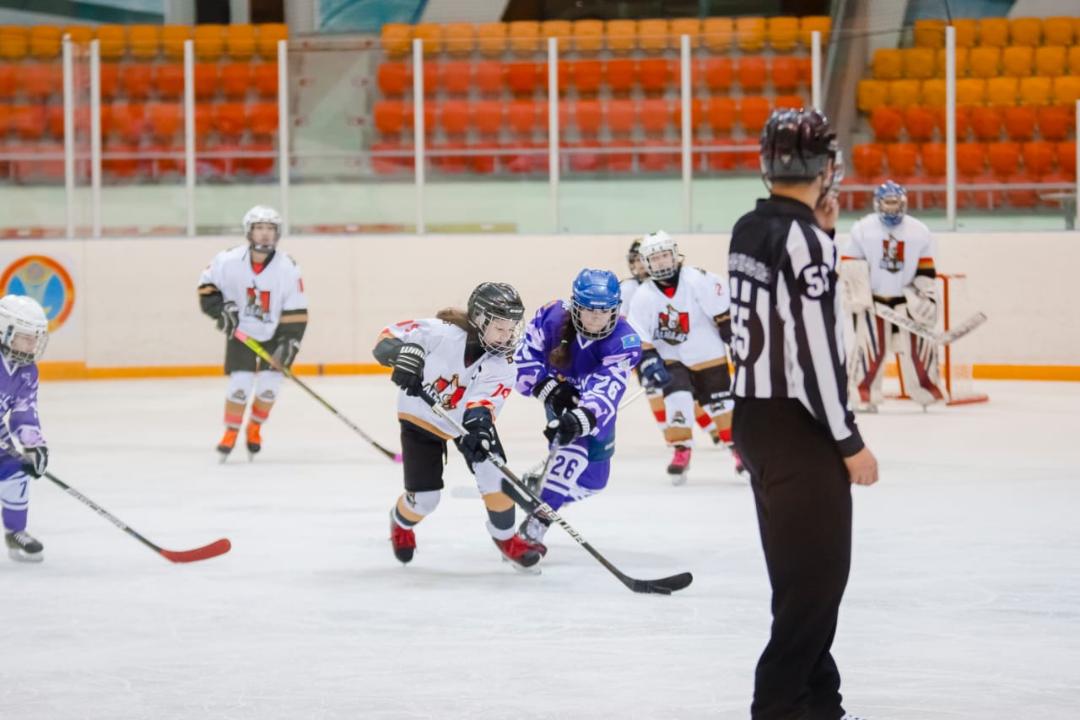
{"points": [[796, 146]]}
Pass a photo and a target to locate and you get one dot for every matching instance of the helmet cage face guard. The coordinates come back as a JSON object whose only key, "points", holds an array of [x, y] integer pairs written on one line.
{"points": [[22, 339], [890, 203], [482, 320], [576, 310], [664, 273]]}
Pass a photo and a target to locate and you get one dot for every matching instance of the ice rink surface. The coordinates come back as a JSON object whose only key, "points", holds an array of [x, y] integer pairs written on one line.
{"points": [[964, 599]]}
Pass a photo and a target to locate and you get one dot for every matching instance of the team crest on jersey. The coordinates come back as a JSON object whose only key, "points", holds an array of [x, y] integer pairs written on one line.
{"points": [[258, 304], [679, 418], [449, 391], [674, 326], [892, 254]]}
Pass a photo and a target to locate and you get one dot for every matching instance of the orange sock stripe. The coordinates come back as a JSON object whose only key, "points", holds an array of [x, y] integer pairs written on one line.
{"points": [[233, 421]]}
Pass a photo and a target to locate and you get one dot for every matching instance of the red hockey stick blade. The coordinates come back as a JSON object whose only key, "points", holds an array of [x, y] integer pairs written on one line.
{"points": [[218, 547]]}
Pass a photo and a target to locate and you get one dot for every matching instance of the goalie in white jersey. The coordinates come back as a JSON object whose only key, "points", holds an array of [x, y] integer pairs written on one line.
{"points": [[683, 317], [462, 360], [257, 289], [898, 251]]}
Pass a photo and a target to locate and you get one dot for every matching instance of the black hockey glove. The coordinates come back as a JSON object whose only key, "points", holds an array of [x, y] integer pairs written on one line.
{"points": [[228, 319], [35, 460], [286, 351], [571, 425], [557, 396], [479, 440], [654, 373], [408, 373]]}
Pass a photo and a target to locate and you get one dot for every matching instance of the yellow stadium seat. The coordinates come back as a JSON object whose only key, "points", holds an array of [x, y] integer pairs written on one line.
{"points": [[888, 64], [621, 35], [524, 37], [44, 41], [1050, 60], [268, 36], [459, 39], [144, 41], [588, 36], [1074, 60], [79, 33], [963, 62], [172, 40], [717, 33], [994, 32], [396, 39], [1026, 31], [810, 23], [1066, 90], [1035, 90], [1002, 91], [967, 32], [1016, 60], [112, 40], [432, 36], [1058, 31], [14, 42], [563, 30], [654, 35], [985, 62], [903, 93], [930, 33], [750, 33], [209, 41], [872, 94], [783, 33], [970, 91], [240, 41], [933, 92], [685, 26], [918, 63], [491, 38]]}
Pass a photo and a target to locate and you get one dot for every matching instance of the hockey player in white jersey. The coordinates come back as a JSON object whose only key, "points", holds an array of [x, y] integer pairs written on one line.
{"points": [[899, 253], [682, 314], [639, 275], [256, 288], [462, 360]]}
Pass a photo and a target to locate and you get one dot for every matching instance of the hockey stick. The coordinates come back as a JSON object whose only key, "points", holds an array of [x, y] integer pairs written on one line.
{"points": [[259, 350], [633, 396], [925, 331], [530, 502]]}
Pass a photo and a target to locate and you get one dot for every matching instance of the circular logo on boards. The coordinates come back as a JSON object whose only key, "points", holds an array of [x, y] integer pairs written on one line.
{"points": [[46, 281]]}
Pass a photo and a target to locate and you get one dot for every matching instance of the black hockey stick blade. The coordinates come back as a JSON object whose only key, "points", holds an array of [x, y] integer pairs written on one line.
{"points": [[662, 586]]}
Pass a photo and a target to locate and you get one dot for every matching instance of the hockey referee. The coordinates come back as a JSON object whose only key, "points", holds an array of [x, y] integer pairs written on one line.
{"points": [[792, 425]]}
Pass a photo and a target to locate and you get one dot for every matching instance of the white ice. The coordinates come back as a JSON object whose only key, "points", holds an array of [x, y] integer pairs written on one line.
{"points": [[964, 599]]}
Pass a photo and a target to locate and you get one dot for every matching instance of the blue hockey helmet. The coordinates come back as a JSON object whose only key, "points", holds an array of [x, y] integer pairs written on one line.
{"points": [[890, 202], [595, 291]]}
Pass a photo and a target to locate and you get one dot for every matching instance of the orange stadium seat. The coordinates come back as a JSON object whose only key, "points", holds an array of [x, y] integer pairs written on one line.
{"points": [[1066, 158], [970, 91], [524, 37], [970, 158], [7, 83], [886, 122], [929, 33], [586, 76], [240, 41], [454, 77], [1002, 91], [717, 33], [81, 34], [888, 64], [1038, 157], [791, 101], [720, 114], [523, 77], [685, 26], [620, 116], [168, 80], [431, 34], [486, 116], [144, 41], [986, 123], [697, 114], [44, 41], [39, 80], [396, 39], [1004, 158], [389, 116], [488, 77], [920, 123], [655, 74], [1050, 61], [967, 32], [1026, 31], [782, 32], [1073, 55], [1058, 31], [454, 116], [110, 80], [172, 40], [933, 92], [587, 117], [752, 73], [459, 39], [933, 158], [166, 120], [872, 94], [1055, 122], [136, 79], [785, 73], [112, 41], [209, 41], [918, 63], [1017, 60], [902, 158], [128, 121], [206, 80], [811, 23], [588, 36], [14, 43], [1035, 90], [1019, 123], [230, 118], [985, 62], [867, 159], [963, 62], [265, 79], [392, 78], [204, 117], [994, 32], [750, 34], [28, 121], [621, 75], [562, 30], [491, 38], [656, 116], [716, 73], [753, 112], [235, 80], [653, 35], [904, 92], [522, 116]]}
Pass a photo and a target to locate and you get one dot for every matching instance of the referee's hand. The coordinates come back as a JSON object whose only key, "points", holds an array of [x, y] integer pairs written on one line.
{"points": [[862, 467]]}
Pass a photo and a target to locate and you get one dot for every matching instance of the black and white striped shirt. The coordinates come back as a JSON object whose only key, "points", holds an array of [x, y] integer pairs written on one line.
{"points": [[787, 326]]}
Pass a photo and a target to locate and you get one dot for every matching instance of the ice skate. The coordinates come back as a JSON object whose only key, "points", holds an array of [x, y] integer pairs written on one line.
{"points": [[228, 442], [403, 541], [519, 553], [254, 440], [679, 466], [22, 547]]}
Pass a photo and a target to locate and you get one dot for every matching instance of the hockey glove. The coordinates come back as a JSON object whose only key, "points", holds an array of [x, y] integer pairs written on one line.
{"points": [[35, 460], [228, 319], [921, 301], [286, 351], [654, 374], [571, 425], [479, 440], [408, 372], [557, 396]]}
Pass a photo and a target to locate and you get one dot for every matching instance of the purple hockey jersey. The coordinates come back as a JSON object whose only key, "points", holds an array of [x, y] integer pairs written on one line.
{"points": [[18, 396]]}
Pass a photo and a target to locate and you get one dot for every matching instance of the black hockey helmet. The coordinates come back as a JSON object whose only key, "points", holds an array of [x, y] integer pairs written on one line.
{"points": [[797, 146], [496, 301]]}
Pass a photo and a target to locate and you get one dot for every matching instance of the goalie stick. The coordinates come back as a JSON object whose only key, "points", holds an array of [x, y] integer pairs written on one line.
{"points": [[925, 331], [521, 494]]}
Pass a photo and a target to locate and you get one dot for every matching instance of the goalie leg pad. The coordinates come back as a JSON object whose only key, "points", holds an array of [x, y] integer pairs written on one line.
{"points": [[918, 368], [870, 353]]}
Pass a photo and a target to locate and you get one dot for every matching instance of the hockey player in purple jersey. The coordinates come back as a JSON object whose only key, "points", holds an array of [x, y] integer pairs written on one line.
{"points": [[576, 359], [24, 332]]}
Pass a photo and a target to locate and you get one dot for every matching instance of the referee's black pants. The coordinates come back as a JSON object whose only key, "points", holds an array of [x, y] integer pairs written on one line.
{"points": [[803, 499]]}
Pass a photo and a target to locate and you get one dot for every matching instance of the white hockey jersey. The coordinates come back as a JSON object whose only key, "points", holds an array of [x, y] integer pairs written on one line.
{"points": [[681, 326], [485, 383], [894, 254], [261, 296], [627, 289]]}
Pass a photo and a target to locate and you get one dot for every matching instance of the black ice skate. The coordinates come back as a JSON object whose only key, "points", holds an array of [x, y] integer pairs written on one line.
{"points": [[22, 547]]}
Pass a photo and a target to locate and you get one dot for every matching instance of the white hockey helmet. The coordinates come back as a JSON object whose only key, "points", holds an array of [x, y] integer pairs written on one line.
{"points": [[24, 329], [661, 255], [262, 214]]}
